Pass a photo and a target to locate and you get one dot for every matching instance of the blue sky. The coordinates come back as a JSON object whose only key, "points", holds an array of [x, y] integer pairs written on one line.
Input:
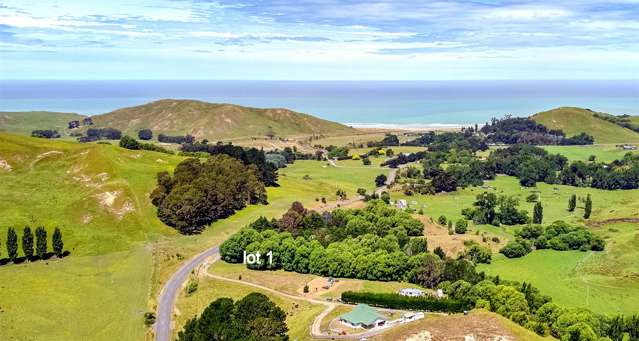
{"points": [[319, 39]]}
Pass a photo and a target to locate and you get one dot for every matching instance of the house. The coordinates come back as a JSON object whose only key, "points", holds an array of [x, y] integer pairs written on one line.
{"points": [[329, 283], [363, 316], [411, 292], [629, 147]]}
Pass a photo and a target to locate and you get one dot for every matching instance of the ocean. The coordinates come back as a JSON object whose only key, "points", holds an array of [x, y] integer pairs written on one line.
{"points": [[361, 103]]}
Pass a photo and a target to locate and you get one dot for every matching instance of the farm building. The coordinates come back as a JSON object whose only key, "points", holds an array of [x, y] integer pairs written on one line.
{"points": [[363, 316]]}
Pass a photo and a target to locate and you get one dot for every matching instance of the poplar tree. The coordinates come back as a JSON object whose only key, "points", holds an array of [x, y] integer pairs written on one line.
{"points": [[12, 244], [572, 203], [56, 242], [538, 214], [27, 242], [588, 207], [41, 242]]}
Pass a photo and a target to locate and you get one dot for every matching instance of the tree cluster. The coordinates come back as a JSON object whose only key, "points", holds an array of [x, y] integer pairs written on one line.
{"points": [[525, 305], [388, 141], [619, 174], [340, 153], [562, 236], [253, 318], [495, 210], [528, 163], [95, 134], [199, 193]]}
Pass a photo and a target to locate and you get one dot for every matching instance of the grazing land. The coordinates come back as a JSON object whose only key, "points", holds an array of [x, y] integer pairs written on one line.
{"points": [[27, 121], [574, 121]]}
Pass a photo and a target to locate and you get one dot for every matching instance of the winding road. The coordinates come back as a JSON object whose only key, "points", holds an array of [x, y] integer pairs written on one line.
{"points": [[169, 293]]}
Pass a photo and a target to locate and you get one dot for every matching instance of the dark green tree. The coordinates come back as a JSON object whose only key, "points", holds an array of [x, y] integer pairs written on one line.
{"points": [[41, 242], [380, 180], [572, 203], [56, 242], [588, 207], [145, 134], [27, 242], [12, 244], [538, 213]]}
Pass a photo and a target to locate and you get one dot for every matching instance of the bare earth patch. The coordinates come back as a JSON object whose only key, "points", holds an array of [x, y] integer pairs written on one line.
{"points": [[4, 165], [477, 326]]}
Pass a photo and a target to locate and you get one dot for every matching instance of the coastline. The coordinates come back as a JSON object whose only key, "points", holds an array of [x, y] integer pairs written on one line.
{"points": [[408, 126]]}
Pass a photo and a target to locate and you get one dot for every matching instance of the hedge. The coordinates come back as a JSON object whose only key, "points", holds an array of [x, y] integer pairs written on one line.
{"points": [[396, 301]]}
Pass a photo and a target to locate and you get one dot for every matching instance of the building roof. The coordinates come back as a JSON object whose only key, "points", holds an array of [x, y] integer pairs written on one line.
{"points": [[362, 314]]}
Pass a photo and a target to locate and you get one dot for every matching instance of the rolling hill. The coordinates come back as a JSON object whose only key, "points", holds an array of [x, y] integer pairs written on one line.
{"points": [[574, 121], [216, 121], [27, 121]]}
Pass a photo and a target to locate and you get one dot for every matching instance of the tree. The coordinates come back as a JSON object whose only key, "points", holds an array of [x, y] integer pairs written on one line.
{"points": [[341, 194], [56, 242], [572, 203], [12, 244], [538, 214], [588, 207], [27, 242], [366, 161], [41, 242], [129, 143], [145, 134], [442, 220], [380, 180]]}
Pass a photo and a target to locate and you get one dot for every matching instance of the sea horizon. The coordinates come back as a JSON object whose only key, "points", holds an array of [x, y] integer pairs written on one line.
{"points": [[442, 103]]}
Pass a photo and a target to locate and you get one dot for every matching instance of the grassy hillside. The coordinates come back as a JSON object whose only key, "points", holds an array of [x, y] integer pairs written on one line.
{"points": [[120, 252], [27, 121], [574, 121], [216, 121]]}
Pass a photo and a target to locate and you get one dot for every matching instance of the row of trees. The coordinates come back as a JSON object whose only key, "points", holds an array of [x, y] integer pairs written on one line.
{"points": [[47, 134], [199, 193], [41, 247], [179, 139]]}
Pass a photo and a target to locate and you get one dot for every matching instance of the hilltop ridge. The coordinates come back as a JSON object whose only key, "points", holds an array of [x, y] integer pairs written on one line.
{"points": [[216, 121]]}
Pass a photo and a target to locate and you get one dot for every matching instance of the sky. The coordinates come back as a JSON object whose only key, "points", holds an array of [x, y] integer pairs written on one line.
{"points": [[319, 39]]}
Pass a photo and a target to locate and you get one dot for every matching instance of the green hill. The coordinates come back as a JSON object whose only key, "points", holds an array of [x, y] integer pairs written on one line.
{"points": [[216, 121], [574, 121], [27, 121]]}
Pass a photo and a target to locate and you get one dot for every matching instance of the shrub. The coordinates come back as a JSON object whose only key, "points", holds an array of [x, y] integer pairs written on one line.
{"points": [[461, 226], [129, 143], [145, 134], [514, 249]]}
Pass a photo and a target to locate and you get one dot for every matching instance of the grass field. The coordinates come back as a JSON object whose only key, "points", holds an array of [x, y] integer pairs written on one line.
{"points": [[120, 252], [300, 314], [603, 153], [574, 121]]}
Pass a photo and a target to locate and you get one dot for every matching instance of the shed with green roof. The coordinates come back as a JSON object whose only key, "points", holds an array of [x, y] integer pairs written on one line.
{"points": [[363, 316]]}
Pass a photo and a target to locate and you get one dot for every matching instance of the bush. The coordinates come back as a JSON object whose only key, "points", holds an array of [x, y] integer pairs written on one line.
{"points": [[479, 254], [461, 226], [441, 220], [149, 318], [396, 301], [47, 134], [129, 143], [514, 249]]}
